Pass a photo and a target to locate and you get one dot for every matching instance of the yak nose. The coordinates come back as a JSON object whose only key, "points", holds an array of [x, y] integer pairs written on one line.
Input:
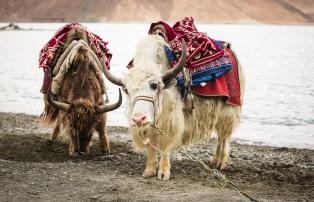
{"points": [[140, 119]]}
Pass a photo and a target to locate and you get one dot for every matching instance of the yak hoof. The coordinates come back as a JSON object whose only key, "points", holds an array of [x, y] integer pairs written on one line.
{"points": [[51, 143], [83, 153], [220, 165], [149, 173], [104, 153], [74, 154], [163, 175]]}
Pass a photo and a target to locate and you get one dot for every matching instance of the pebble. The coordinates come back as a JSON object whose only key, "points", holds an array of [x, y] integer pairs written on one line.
{"points": [[246, 158], [94, 197]]}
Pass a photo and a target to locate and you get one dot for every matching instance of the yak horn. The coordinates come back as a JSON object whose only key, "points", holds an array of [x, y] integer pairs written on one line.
{"points": [[59, 105], [179, 66], [110, 107], [112, 78]]}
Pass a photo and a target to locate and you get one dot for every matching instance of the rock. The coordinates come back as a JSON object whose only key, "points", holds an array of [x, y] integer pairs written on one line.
{"points": [[94, 197]]}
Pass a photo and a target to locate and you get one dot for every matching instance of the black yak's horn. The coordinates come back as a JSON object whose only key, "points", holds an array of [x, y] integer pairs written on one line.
{"points": [[110, 107]]}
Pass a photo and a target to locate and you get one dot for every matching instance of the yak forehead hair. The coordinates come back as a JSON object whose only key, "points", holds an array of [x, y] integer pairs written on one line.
{"points": [[139, 76], [150, 61], [149, 50]]}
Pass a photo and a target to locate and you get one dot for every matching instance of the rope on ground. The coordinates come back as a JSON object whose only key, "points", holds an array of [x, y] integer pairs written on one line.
{"points": [[222, 180]]}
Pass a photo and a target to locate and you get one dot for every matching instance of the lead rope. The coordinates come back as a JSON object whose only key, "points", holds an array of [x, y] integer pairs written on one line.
{"points": [[221, 177]]}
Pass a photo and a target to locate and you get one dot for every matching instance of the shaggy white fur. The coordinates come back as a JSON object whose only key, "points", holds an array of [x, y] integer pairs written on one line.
{"points": [[182, 127]]}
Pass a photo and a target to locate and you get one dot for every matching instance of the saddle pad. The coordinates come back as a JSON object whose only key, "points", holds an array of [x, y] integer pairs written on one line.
{"points": [[213, 65]]}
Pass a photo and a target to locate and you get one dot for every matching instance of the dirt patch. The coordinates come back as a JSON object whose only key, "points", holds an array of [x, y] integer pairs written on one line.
{"points": [[30, 170]]}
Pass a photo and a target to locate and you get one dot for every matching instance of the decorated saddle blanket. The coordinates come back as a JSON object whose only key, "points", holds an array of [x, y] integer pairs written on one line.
{"points": [[212, 64], [54, 48]]}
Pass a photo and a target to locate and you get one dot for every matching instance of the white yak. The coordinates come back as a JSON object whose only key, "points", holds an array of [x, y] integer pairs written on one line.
{"points": [[155, 100]]}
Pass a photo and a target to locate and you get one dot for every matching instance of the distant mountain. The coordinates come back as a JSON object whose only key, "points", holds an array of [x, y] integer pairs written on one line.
{"points": [[209, 11]]}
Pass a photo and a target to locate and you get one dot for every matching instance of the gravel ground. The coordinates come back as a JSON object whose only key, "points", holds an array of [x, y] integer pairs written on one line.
{"points": [[31, 171]]}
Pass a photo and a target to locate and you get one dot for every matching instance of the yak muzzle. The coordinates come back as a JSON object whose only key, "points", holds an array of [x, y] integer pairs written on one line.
{"points": [[140, 119]]}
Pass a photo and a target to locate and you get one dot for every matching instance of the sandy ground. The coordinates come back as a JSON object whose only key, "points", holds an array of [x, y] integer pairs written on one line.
{"points": [[31, 171]]}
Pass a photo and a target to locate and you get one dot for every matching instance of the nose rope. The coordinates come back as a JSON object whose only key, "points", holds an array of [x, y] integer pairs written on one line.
{"points": [[148, 99]]}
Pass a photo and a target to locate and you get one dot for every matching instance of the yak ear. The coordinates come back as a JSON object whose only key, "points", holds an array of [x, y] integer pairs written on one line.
{"points": [[170, 82]]}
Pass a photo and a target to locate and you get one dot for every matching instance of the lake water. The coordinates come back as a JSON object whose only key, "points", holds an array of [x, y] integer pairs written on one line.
{"points": [[278, 63]]}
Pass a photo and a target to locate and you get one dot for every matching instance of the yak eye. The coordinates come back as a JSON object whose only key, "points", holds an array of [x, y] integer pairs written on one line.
{"points": [[125, 90], [153, 84]]}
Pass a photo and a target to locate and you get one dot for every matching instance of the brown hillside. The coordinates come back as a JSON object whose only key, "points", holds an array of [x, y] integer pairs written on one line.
{"points": [[209, 11]]}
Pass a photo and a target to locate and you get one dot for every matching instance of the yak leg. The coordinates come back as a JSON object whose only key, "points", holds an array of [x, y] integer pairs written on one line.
{"points": [[164, 167], [103, 138], [72, 146], [56, 130], [55, 133], [164, 163], [103, 141], [224, 128], [222, 153], [151, 163]]}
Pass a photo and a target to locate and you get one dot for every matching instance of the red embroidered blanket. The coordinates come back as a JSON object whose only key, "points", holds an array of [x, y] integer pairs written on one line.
{"points": [[203, 53], [49, 51]]}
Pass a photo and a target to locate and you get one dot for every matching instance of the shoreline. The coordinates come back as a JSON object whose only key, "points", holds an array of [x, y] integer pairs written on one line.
{"points": [[36, 128], [28, 164]]}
